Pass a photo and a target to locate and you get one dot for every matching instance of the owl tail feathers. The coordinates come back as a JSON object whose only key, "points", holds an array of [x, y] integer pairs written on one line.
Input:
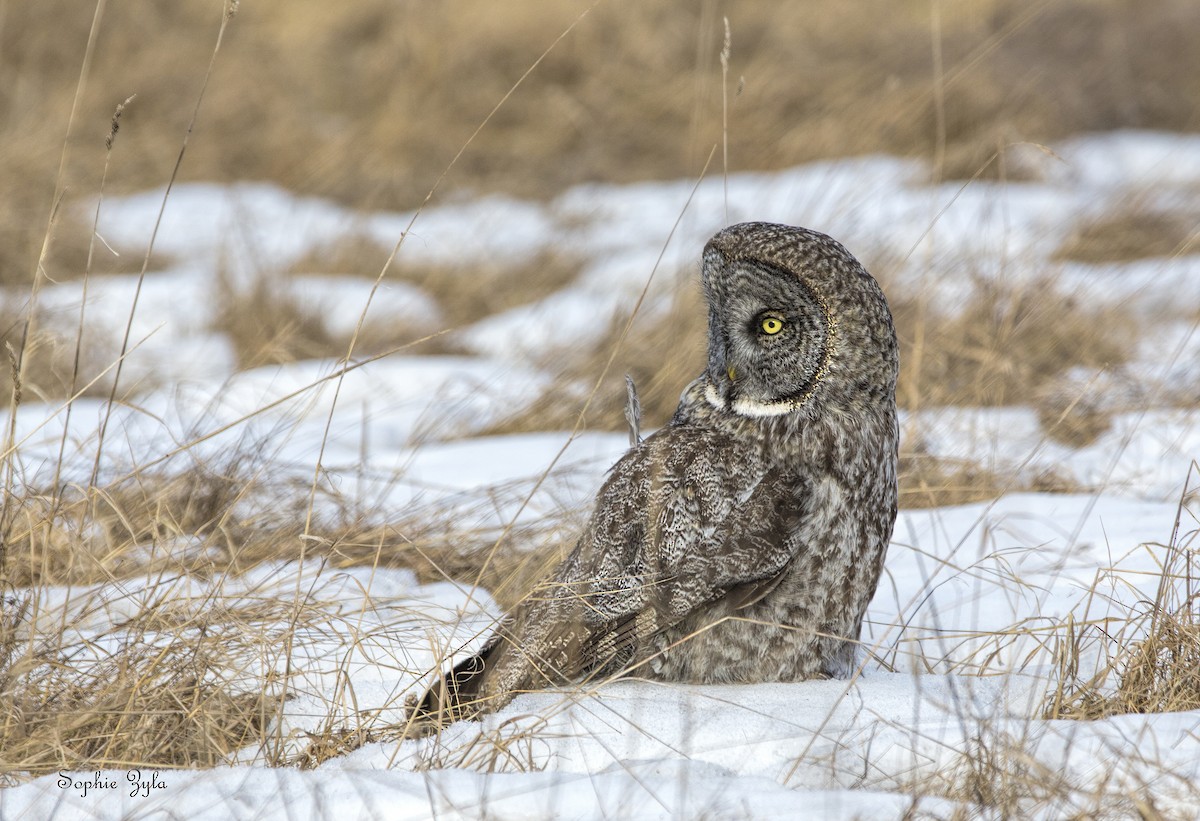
{"points": [[455, 696], [490, 679]]}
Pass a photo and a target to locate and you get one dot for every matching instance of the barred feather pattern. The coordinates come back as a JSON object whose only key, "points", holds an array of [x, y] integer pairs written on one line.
{"points": [[744, 540]]}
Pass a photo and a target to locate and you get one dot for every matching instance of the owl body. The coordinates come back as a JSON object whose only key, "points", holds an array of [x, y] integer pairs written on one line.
{"points": [[835, 538], [743, 541]]}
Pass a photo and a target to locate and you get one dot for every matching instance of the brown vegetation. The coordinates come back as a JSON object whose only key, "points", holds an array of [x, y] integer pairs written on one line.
{"points": [[369, 102], [1006, 345], [1151, 660], [661, 350], [1072, 420], [267, 326], [1132, 233], [151, 704]]}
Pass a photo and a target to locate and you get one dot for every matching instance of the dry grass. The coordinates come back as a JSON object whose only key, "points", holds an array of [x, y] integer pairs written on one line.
{"points": [[464, 293], [154, 689], [67, 257], [1073, 420], [1162, 674], [267, 326], [1150, 662], [663, 352], [161, 700], [367, 105], [131, 527], [173, 689], [50, 370], [354, 253], [468, 294], [995, 773], [929, 481], [507, 566], [1159, 673], [1006, 345], [164, 681], [1130, 233], [995, 777], [49, 359]]}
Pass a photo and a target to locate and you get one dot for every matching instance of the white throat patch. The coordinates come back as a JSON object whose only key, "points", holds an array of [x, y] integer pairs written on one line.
{"points": [[749, 407]]}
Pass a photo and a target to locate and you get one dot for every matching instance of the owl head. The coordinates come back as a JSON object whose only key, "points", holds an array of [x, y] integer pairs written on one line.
{"points": [[794, 321]]}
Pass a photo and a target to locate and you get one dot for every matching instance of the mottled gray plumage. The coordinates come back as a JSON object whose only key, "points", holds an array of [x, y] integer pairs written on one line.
{"points": [[743, 541]]}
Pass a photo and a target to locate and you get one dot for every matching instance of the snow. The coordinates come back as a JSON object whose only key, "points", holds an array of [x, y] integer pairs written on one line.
{"points": [[247, 223], [340, 300], [387, 405], [1144, 453], [665, 793], [834, 749], [959, 649], [1121, 159]]}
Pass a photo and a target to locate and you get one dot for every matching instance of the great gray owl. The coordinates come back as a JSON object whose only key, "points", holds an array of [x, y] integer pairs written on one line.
{"points": [[743, 541]]}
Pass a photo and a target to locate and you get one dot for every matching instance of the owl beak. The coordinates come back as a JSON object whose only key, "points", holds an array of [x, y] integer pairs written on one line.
{"points": [[732, 371]]}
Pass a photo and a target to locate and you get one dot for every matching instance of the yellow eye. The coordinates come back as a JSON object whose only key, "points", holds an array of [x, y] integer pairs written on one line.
{"points": [[771, 326]]}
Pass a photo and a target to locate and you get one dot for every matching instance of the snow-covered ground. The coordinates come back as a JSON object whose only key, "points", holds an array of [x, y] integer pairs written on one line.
{"points": [[976, 588]]}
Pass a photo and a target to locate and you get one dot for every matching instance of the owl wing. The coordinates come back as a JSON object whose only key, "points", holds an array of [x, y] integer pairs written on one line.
{"points": [[714, 529], [683, 521]]}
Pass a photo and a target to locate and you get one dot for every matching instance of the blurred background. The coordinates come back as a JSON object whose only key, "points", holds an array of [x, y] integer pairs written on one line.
{"points": [[367, 102]]}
